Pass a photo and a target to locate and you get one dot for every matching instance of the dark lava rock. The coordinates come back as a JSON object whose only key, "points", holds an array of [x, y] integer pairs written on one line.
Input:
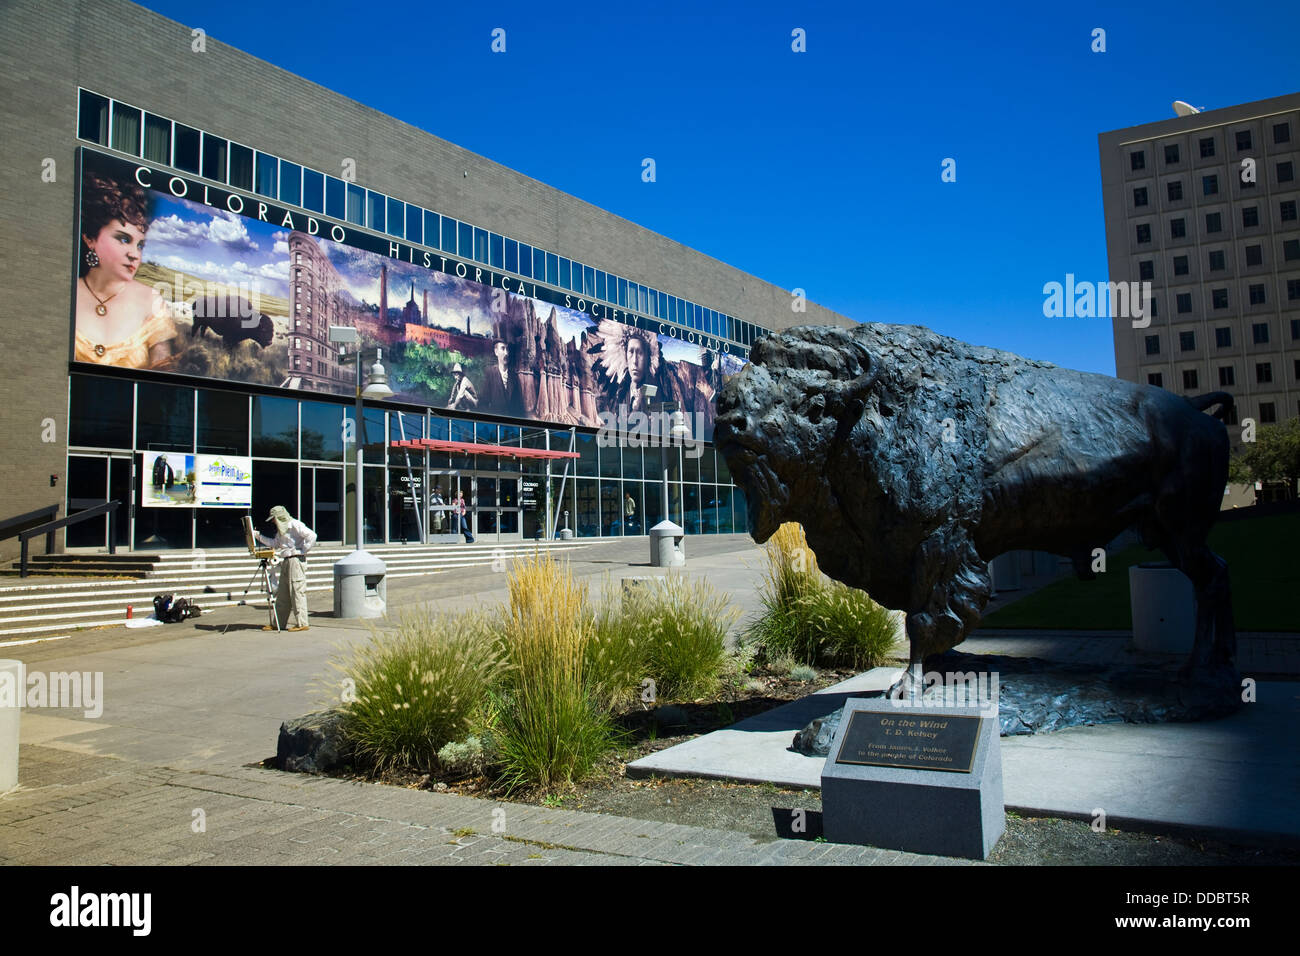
{"points": [[313, 744], [1037, 696]]}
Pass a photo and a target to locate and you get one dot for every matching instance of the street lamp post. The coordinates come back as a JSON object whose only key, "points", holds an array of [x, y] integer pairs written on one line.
{"points": [[360, 589], [664, 537]]}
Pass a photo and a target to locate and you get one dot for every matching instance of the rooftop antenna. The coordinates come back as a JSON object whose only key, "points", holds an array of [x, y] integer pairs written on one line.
{"points": [[1183, 108]]}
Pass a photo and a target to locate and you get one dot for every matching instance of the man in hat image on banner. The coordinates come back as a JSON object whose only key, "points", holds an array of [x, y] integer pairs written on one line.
{"points": [[292, 541], [463, 396]]}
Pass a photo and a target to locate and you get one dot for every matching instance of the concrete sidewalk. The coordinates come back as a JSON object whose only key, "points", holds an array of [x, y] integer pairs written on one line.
{"points": [[164, 776]]}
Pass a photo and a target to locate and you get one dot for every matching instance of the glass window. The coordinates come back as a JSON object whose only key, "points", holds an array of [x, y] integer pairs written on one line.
{"points": [[464, 240], [632, 467], [1281, 133], [610, 458], [1187, 341], [1260, 333], [1287, 211], [1257, 295], [185, 154], [600, 285], [588, 281], [1155, 378], [1250, 217], [1153, 344], [376, 206], [1184, 302], [214, 157], [1220, 298], [1263, 373], [336, 202], [275, 427], [586, 448], [539, 265], [164, 418], [511, 262], [1218, 261], [126, 129], [1143, 232], [356, 204], [158, 139], [241, 166], [1189, 378], [1227, 375], [1285, 172], [1137, 160], [396, 218], [622, 291], [708, 473], [552, 268], [1209, 185], [525, 259], [99, 413], [223, 423], [481, 245], [290, 183], [1223, 337], [1146, 270], [313, 190], [1175, 190], [1254, 255], [1171, 154], [448, 243], [92, 118], [1243, 140], [1290, 249], [1180, 265], [414, 223], [267, 176], [1207, 147], [566, 274], [1213, 222], [1177, 228], [322, 431], [432, 229]]}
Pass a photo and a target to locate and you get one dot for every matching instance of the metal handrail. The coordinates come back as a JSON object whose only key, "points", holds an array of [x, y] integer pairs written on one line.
{"points": [[108, 507], [9, 523]]}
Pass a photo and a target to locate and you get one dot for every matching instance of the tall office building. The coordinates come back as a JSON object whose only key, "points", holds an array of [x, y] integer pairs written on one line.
{"points": [[1204, 208]]}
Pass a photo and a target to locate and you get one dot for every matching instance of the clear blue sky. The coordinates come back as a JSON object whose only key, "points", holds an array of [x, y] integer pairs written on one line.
{"points": [[818, 170]]}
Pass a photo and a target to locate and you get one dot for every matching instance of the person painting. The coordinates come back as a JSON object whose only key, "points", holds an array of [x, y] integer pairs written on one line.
{"points": [[120, 321], [292, 541]]}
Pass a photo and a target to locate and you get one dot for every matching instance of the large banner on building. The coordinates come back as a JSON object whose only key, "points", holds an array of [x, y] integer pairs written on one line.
{"points": [[180, 276]]}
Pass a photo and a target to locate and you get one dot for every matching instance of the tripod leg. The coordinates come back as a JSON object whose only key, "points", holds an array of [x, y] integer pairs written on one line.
{"points": [[270, 598]]}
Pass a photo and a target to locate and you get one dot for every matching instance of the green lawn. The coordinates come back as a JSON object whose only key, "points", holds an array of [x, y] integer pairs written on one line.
{"points": [[1262, 559]]}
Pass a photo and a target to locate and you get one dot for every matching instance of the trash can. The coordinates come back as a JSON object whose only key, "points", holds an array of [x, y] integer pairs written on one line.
{"points": [[1164, 608], [13, 694], [360, 586], [667, 545]]}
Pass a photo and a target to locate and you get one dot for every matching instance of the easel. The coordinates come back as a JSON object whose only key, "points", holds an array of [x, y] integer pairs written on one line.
{"points": [[264, 556]]}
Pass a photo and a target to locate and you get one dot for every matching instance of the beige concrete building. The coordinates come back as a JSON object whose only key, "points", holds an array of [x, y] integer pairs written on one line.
{"points": [[1204, 208]]}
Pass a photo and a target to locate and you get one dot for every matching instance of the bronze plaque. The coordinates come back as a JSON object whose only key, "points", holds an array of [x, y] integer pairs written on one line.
{"points": [[911, 739]]}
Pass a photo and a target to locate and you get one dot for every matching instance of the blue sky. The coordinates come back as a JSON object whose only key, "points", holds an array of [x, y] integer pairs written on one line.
{"points": [[818, 170]]}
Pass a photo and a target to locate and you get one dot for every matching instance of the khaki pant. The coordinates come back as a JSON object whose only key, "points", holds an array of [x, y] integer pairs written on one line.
{"points": [[291, 595]]}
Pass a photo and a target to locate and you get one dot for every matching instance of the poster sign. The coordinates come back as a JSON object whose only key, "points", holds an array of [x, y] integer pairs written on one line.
{"points": [[178, 275], [177, 480]]}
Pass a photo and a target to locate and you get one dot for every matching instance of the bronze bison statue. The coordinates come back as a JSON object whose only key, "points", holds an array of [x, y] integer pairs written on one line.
{"points": [[912, 460]]}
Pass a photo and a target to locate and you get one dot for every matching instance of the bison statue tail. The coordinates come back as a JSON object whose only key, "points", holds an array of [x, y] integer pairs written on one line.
{"points": [[1222, 399]]}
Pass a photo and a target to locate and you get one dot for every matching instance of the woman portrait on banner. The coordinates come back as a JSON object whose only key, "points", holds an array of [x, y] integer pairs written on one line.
{"points": [[119, 321]]}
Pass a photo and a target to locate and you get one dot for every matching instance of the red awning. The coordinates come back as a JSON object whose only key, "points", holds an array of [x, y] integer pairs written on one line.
{"points": [[469, 448]]}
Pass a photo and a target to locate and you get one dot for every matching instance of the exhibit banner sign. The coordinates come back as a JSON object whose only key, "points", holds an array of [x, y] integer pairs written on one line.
{"points": [[176, 480], [178, 275]]}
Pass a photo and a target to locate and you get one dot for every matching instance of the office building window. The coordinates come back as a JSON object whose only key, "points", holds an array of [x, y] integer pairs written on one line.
{"points": [[1180, 265], [1153, 344], [1250, 217], [1263, 372], [1156, 379], [1184, 302], [1291, 250], [1207, 147], [1219, 298], [1257, 294], [1217, 261], [1223, 337], [1140, 196], [1209, 185], [1243, 140], [1143, 232], [92, 118], [1136, 160], [1175, 190], [1177, 228], [1227, 377], [1286, 211], [158, 140], [1254, 255], [1189, 378], [1187, 341], [1171, 154], [1292, 294], [186, 149], [1146, 270], [1213, 222], [1155, 307], [1281, 133], [1259, 331], [1296, 369], [1267, 413], [290, 183], [1285, 172]]}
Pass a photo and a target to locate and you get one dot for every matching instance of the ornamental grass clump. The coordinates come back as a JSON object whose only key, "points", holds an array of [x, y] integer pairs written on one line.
{"points": [[550, 728], [418, 686], [616, 657], [849, 628], [685, 623]]}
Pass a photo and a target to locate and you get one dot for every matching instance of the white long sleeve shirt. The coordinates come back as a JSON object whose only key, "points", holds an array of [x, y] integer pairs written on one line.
{"points": [[299, 539]]}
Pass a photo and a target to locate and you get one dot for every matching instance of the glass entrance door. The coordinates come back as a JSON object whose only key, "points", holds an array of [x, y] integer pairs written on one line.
{"points": [[321, 501], [93, 480]]}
